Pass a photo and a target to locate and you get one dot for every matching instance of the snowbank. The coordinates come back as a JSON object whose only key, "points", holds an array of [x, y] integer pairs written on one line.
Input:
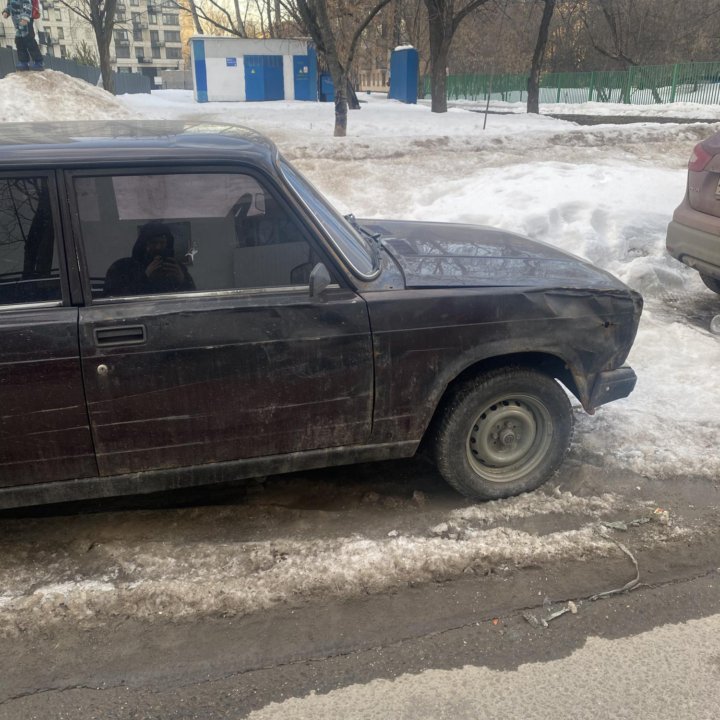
{"points": [[50, 95]]}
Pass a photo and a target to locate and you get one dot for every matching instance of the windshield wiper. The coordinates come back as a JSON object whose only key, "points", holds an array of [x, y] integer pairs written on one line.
{"points": [[353, 221]]}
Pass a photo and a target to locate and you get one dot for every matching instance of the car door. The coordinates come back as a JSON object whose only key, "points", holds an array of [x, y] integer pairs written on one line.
{"points": [[201, 342], [44, 428]]}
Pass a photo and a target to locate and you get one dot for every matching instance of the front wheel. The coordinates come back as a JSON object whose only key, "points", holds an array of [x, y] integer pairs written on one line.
{"points": [[503, 433]]}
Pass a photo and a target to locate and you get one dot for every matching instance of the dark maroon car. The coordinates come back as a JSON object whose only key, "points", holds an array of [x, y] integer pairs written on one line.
{"points": [[179, 306]]}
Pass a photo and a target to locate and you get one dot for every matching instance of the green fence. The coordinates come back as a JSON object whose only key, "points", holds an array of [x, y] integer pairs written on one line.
{"points": [[690, 82]]}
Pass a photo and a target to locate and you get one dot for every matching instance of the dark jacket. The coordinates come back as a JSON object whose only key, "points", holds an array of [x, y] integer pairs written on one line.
{"points": [[128, 276]]}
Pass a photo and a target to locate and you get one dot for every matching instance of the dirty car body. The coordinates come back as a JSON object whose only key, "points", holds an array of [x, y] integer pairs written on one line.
{"points": [[179, 306]]}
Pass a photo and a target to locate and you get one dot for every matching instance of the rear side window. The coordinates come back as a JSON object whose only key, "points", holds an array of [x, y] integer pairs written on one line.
{"points": [[29, 267], [182, 232]]}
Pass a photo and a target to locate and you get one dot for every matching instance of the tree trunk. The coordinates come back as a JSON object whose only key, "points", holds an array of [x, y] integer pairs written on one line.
{"points": [[103, 36], [341, 105], [278, 18], [439, 50], [108, 77], [533, 87], [196, 17]]}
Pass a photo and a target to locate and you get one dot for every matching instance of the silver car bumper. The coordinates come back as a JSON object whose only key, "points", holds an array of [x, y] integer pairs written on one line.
{"points": [[698, 249]]}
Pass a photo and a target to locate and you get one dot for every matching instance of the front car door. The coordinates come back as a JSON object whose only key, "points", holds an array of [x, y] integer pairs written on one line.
{"points": [[201, 342], [44, 429]]}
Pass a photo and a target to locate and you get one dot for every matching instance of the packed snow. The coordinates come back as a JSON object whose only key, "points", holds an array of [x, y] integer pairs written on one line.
{"points": [[604, 192]]}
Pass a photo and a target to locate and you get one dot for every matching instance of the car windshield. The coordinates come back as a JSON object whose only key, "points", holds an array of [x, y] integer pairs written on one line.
{"points": [[352, 245]]}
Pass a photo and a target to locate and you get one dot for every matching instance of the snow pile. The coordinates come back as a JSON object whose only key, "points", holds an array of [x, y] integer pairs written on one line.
{"points": [[54, 96]]}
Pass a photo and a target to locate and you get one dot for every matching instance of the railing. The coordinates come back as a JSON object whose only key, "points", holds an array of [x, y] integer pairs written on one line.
{"points": [[641, 85]]}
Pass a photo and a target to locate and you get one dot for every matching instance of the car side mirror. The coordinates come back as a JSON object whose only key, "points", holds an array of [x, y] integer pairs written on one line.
{"points": [[319, 280]]}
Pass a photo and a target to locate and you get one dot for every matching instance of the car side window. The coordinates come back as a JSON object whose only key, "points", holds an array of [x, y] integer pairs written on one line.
{"points": [[181, 232], [29, 266]]}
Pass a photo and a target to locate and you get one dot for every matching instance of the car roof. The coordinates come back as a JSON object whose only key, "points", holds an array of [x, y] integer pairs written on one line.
{"points": [[128, 142]]}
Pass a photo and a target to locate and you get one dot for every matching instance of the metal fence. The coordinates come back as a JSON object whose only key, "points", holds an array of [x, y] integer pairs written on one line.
{"points": [[647, 85], [124, 82]]}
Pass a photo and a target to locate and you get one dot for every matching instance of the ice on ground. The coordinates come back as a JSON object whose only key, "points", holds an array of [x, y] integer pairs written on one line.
{"points": [[150, 576]]}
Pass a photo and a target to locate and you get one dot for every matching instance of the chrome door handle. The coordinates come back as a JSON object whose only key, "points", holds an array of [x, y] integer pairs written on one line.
{"points": [[102, 369]]}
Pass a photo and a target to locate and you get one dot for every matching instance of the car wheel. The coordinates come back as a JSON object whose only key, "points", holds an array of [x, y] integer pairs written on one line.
{"points": [[503, 433], [711, 282]]}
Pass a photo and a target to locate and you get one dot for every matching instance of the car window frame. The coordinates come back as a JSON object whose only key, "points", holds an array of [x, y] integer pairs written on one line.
{"points": [[265, 180], [59, 237], [281, 163]]}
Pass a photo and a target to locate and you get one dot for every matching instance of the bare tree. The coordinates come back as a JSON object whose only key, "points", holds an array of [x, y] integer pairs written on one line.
{"points": [[637, 32], [192, 9], [101, 16], [443, 21], [533, 100], [219, 17], [326, 33]]}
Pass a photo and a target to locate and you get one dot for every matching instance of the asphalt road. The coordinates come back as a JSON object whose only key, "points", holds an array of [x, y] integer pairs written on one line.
{"points": [[461, 650]]}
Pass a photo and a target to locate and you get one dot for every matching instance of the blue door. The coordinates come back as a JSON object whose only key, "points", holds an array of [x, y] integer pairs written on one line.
{"points": [[264, 77], [305, 72], [301, 71], [254, 78], [274, 85]]}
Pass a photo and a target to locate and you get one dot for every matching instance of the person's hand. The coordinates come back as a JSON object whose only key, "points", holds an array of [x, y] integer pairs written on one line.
{"points": [[171, 269], [167, 268], [154, 265]]}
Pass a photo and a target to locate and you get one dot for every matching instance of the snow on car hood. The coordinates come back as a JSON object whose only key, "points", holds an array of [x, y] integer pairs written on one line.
{"points": [[451, 255]]}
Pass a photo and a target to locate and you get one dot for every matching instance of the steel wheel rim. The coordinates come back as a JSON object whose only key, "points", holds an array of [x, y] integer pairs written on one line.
{"points": [[509, 438]]}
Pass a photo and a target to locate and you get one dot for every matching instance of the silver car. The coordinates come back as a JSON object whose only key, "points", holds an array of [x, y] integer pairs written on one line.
{"points": [[693, 236]]}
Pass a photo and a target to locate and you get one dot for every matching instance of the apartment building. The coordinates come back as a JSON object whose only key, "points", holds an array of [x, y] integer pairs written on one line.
{"points": [[146, 40], [147, 37]]}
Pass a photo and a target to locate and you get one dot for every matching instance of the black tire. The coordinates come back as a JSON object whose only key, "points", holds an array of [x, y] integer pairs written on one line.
{"points": [[503, 433], [711, 282]]}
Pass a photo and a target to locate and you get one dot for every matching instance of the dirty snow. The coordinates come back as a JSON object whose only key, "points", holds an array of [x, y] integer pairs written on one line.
{"points": [[54, 96], [220, 562], [603, 192]]}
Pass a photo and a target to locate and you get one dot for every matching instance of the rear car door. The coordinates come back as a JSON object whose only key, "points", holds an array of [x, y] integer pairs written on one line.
{"points": [[201, 342], [44, 428]]}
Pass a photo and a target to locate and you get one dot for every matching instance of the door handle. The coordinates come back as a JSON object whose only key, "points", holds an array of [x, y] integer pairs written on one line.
{"points": [[121, 335]]}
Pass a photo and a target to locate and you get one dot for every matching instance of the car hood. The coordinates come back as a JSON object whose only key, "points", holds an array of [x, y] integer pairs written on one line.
{"points": [[452, 255]]}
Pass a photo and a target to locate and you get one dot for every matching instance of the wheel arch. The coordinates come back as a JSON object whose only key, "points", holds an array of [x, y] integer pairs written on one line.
{"points": [[546, 363]]}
